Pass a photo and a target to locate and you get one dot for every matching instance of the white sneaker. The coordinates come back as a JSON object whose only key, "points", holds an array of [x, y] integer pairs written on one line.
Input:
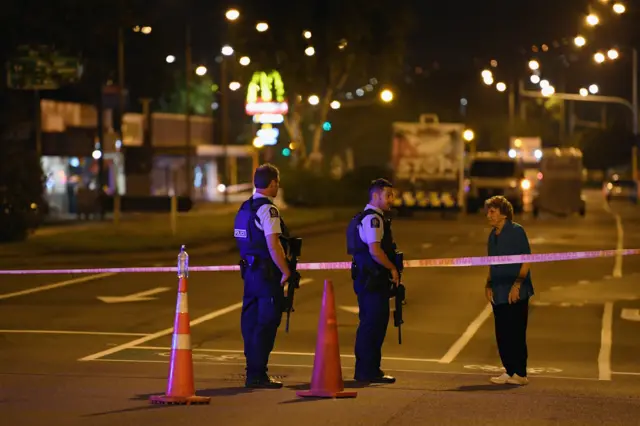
{"points": [[517, 380], [501, 380]]}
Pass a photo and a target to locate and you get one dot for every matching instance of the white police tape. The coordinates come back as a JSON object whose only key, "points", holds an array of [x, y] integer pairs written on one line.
{"points": [[418, 263]]}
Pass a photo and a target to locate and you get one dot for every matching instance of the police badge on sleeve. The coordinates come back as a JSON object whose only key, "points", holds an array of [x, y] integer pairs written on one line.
{"points": [[273, 212], [375, 222]]}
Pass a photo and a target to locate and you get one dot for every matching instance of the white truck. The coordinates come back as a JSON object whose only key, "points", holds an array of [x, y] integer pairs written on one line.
{"points": [[428, 162]]}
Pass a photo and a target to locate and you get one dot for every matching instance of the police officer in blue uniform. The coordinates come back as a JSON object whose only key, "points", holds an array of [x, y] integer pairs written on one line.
{"points": [[370, 242], [261, 236]]}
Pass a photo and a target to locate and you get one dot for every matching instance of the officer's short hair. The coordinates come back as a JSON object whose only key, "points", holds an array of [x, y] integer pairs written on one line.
{"points": [[502, 204], [264, 175], [378, 185]]}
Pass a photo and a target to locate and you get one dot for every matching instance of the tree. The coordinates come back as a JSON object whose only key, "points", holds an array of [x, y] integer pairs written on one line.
{"points": [[353, 41], [201, 96]]}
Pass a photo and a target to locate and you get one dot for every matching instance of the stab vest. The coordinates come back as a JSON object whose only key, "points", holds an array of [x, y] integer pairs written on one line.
{"points": [[250, 240], [359, 249]]}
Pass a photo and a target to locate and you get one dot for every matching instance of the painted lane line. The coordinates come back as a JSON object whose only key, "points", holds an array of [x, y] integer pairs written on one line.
{"points": [[56, 285], [310, 354], [161, 333], [468, 334], [73, 332], [617, 266], [135, 297], [604, 357], [168, 331]]}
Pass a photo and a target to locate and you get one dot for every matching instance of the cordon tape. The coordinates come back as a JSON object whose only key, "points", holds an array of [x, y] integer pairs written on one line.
{"points": [[419, 263]]}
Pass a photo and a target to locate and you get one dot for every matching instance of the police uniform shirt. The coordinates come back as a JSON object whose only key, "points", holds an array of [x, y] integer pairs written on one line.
{"points": [[269, 217], [371, 229]]}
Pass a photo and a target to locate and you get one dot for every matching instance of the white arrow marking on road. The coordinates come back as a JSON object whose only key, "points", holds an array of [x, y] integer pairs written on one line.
{"points": [[630, 314], [356, 310], [136, 297]]}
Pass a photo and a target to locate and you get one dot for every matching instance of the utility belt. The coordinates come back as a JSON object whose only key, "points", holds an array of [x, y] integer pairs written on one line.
{"points": [[256, 263], [376, 278]]}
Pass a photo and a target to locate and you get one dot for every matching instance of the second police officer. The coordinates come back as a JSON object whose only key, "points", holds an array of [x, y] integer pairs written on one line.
{"points": [[370, 242], [261, 235]]}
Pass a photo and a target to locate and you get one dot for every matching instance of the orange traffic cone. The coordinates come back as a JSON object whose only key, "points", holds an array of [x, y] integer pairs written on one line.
{"points": [[327, 380], [180, 389]]}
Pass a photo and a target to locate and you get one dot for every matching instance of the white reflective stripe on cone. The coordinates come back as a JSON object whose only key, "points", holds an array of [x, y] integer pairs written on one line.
{"points": [[181, 341], [182, 306]]}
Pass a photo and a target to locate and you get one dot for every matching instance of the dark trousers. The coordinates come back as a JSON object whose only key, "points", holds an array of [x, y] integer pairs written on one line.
{"points": [[511, 335], [261, 317], [374, 319]]}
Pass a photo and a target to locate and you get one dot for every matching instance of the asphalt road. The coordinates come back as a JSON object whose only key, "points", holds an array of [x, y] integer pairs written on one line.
{"points": [[68, 357]]}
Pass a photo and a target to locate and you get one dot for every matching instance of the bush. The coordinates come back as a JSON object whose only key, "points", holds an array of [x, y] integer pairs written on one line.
{"points": [[305, 188], [22, 204]]}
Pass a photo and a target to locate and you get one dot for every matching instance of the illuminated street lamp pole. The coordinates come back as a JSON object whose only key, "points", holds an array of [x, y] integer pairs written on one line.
{"points": [[633, 106]]}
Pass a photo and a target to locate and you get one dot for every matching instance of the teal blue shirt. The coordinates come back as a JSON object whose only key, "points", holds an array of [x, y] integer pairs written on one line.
{"points": [[512, 240]]}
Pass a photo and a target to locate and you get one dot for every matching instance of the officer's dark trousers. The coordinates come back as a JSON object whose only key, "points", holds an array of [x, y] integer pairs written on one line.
{"points": [[511, 335], [261, 317], [374, 319]]}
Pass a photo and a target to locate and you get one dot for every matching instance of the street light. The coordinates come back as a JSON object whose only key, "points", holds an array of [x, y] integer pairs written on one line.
{"points": [[486, 74], [170, 59], [244, 61], [468, 135], [544, 84], [599, 57], [232, 14], [262, 27], [201, 70], [592, 19], [548, 91], [579, 41], [619, 8], [613, 54], [386, 95], [535, 79], [307, 34], [310, 51], [501, 87], [335, 104], [584, 92], [314, 100], [227, 50], [488, 81], [534, 65], [146, 30], [234, 85], [593, 89]]}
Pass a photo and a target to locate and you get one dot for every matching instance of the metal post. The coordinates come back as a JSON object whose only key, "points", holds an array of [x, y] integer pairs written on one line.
{"points": [[225, 125], [121, 105], [634, 149], [189, 180], [38, 125]]}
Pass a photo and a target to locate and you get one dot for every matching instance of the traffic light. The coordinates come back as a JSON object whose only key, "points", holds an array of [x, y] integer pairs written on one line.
{"points": [[286, 152], [326, 126]]}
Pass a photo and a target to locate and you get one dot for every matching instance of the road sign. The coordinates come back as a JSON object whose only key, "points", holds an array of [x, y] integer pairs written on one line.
{"points": [[41, 68]]}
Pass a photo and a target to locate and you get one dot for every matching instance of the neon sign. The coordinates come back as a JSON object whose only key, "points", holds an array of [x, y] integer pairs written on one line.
{"points": [[260, 96]]}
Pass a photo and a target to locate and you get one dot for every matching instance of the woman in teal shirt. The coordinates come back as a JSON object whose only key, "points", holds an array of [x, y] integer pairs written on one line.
{"points": [[509, 288]]}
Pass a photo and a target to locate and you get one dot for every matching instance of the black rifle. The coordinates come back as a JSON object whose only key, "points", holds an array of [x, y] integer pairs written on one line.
{"points": [[295, 248], [399, 293]]}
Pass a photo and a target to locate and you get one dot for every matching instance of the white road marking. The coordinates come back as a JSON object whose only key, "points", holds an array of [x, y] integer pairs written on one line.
{"points": [[345, 367], [617, 266], [238, 351], [604, 358], [468, 334], [426, 245], [167, 331], [135, 297], [453, 239], [55, 285], [625, 373], [583, 282], [350, 309], [73, 332], [557, 287], [630, 314]]}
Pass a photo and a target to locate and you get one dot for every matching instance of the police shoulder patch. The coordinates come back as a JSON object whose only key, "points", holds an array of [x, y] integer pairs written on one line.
{"points": [[375, 222], [273, 212]]}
